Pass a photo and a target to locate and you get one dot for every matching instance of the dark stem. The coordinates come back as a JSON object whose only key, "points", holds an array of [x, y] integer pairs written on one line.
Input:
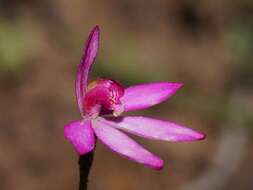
{"points": [[85, 162]]}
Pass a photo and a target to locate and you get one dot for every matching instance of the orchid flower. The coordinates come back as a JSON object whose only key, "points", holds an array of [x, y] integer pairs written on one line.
{"points": [[101, 103]]}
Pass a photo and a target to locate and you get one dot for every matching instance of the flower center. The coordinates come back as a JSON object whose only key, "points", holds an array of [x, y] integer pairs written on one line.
{"points": [[102, 97]]}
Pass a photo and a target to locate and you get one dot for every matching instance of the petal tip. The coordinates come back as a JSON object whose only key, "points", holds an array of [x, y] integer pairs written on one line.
{"points": [[95, 29], [173, 88], [159, 165], [155, 163], [194, 136], [179, 85], [176, 85], [198, 136], [202, 136]]}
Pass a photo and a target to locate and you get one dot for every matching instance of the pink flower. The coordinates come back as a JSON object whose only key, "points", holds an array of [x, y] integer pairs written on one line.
{"points": [[101, 103]]}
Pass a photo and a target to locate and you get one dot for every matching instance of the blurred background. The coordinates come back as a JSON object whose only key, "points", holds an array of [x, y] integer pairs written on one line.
{"points": [[207, 45]]}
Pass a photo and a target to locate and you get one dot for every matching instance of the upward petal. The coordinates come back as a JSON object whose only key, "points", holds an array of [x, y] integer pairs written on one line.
{"points": [[125, 146], [155, 129], [80, 135], [90, 52], [146, 95]]}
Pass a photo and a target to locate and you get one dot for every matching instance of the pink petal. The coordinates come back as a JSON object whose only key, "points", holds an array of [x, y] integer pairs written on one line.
{"points": [[90, 52], [155, 129], [80, 135], [146, 95], [125, 146]]}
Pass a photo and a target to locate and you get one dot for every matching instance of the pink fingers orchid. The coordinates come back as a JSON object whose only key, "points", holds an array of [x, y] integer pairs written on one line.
{"points": [[101, 103]]}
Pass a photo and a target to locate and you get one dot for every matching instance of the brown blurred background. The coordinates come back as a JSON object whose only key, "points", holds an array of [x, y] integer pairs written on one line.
{"points": [[206, 44]]}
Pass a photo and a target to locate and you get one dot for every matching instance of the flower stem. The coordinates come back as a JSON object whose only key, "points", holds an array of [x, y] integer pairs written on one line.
{"points": [[85, 162]]}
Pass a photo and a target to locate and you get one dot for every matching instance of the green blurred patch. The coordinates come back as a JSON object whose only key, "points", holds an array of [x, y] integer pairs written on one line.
{"points": [[240, 110], [120, 66], [240, 45], [14, 46], [125, 62], [240, 38]]}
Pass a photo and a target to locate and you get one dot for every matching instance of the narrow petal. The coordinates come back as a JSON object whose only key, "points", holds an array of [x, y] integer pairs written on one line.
{"points": [[125, 146], [155, 129], [90, 52], [81, 135], [146, 95]]}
